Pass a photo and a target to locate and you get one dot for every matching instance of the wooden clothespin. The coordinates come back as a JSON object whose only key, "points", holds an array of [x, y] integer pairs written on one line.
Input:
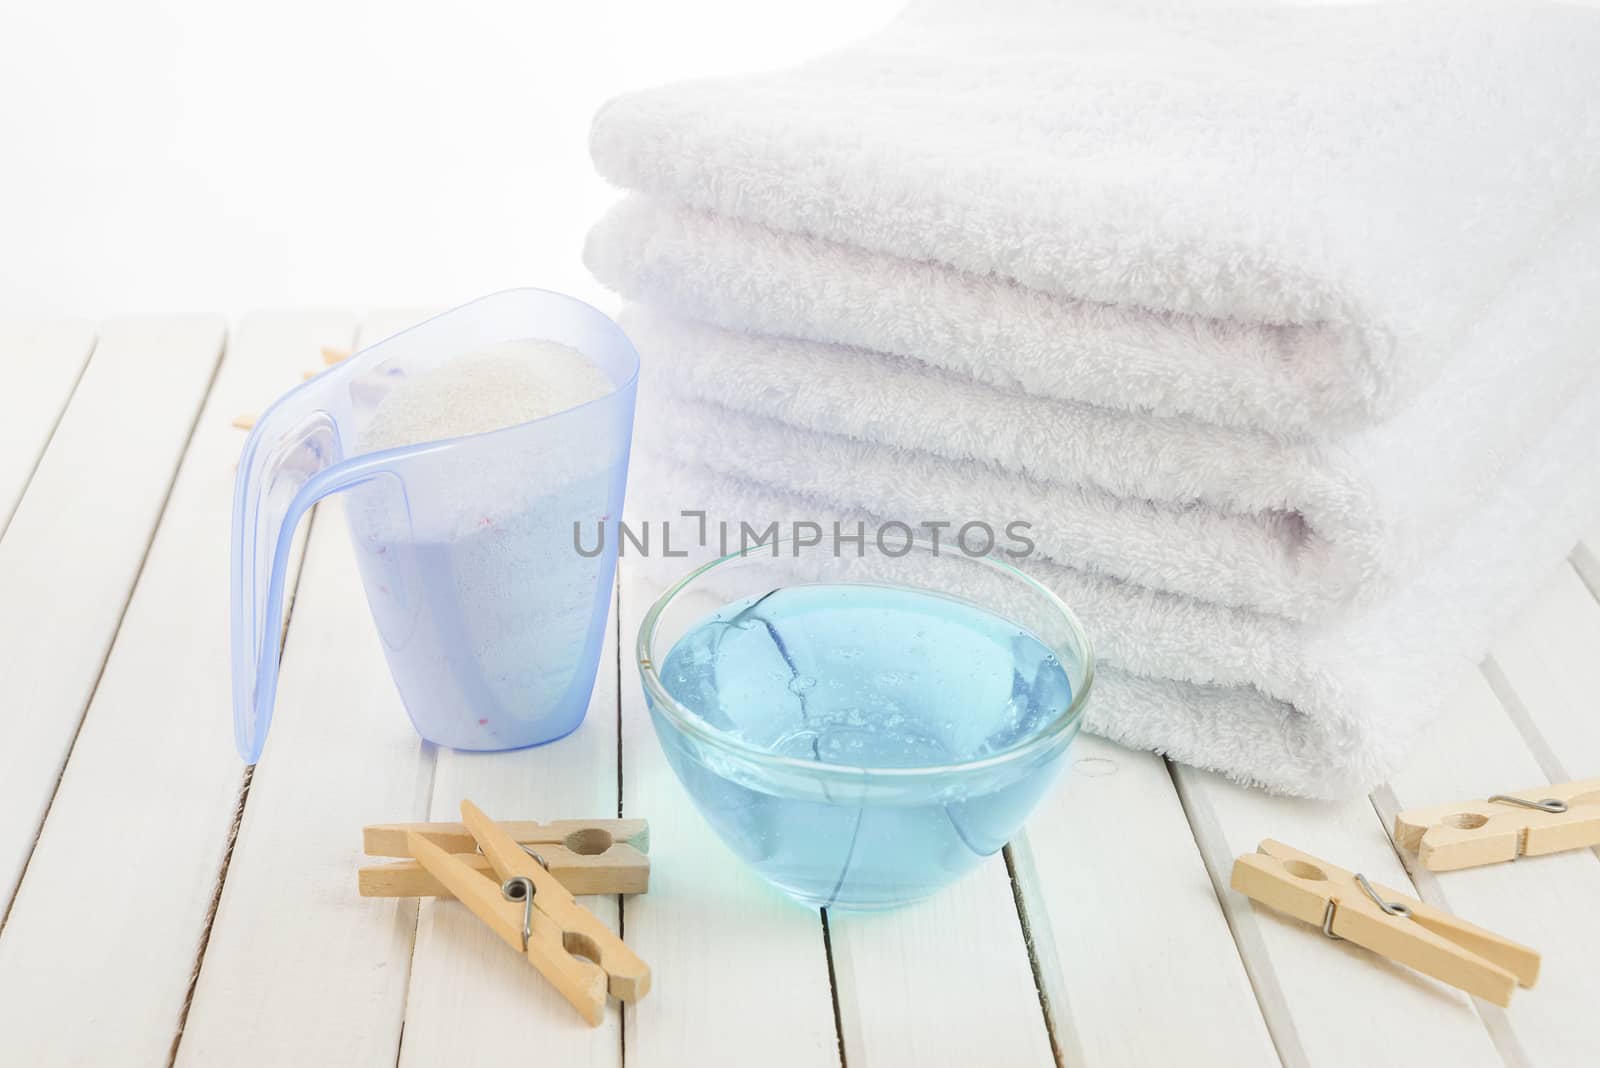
{"points": [[536, 916], [1526, 823], [587, 856], [1349, 908]]}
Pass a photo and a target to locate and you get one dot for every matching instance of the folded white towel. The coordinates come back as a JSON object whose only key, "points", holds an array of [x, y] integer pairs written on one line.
{"points": [[1365, 177], [1242, 518], [748, 277], [1314, 710]]}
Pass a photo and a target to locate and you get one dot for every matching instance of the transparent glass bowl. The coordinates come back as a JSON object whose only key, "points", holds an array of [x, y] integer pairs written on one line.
{"points": [[835, 835]]}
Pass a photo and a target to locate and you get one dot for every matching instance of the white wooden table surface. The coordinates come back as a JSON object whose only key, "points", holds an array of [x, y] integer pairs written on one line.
{"points": [[161, 905]]}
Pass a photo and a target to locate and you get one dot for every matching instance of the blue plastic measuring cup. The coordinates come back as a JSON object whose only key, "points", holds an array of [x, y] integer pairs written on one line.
{"points": [[490, 605]]}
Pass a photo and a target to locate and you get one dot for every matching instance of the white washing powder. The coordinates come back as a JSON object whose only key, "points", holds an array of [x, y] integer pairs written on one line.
{"points": [[489, 389], [451, 494], [484, 605]]}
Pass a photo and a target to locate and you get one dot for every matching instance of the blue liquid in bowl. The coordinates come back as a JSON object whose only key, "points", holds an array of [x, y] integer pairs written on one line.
{"points": [[872, 678]]}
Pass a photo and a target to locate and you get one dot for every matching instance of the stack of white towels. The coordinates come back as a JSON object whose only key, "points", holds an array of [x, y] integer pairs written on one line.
{"points": [[1279, 325]]}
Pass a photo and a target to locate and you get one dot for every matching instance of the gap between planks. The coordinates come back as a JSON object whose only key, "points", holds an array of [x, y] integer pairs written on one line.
{"points": [[211, 912], [416, 924], [1258, 966], [1517, 712], [122, 614], [1033, 956], [622, 900], [292, 595], [1178, 991], [833, 987], [44, 357]]}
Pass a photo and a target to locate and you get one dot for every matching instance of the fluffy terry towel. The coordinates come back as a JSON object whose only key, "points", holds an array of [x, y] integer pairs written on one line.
{"points": [[1319, 710], [1275, 217], [1298, 527]]}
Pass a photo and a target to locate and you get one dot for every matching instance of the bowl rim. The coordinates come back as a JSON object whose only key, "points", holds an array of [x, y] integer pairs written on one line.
{"points": [[689, 722]]}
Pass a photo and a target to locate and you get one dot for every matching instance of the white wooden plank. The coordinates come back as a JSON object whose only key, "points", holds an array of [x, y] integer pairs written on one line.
{"points": [[40, 363], [292, 941], [943, 982], [740, 971], [1546, 668], [342, 753], [1544, 902], [1328, 1003], [101, 943], [76, 543], [472, 1001], [1586, 558], [1139, 969]]}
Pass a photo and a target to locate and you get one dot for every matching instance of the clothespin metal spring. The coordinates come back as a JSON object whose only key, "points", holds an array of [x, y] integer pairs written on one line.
{"points": [[1549, 804], [521, 888], [1393, 908]]}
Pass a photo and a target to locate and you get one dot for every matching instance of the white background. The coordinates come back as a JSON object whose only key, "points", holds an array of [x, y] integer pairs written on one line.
{"points": [[201, 155]]}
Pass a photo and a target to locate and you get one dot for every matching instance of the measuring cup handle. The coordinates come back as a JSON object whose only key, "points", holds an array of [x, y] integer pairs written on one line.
{"points": [[292, 459]]}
